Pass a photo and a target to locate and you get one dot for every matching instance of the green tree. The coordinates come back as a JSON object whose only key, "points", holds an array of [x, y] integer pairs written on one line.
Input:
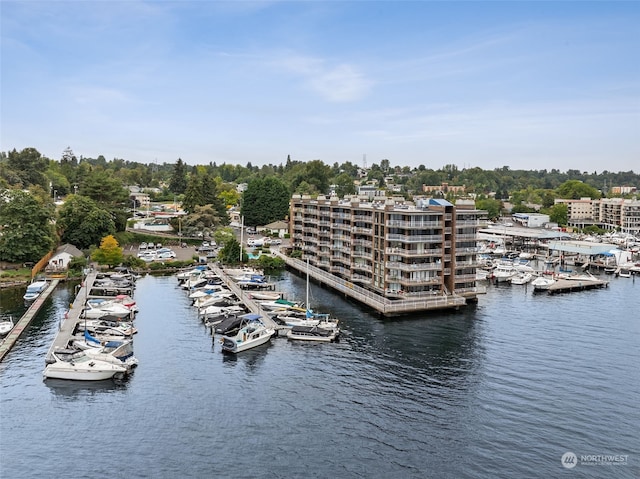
{"points": [[264, 201], [105, 189], [28, 167], [558, 214], [576, 189], [83, 223], [230, 252], [491, 206], [109, 252], [344, 185], [223, 235], [27, 233], [178, 182]]}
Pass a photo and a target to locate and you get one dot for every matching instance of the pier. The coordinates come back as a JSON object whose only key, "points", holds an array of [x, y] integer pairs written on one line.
{"points": [[569, 285], [384, 306], [246, 298], [10, 339]]}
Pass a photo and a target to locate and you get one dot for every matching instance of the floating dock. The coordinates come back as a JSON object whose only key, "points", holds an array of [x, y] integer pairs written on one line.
{"points": [[569, 285], [10, 339]]}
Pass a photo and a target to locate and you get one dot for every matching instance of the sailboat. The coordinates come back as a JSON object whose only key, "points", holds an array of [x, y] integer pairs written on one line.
{"points": [[314, 326]]}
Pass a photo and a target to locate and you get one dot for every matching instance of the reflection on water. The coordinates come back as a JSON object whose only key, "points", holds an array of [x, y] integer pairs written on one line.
{"points": [[73, 390]]}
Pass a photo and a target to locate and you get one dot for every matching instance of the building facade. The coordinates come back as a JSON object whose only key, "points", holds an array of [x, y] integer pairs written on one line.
{"points": [[394, 248]]}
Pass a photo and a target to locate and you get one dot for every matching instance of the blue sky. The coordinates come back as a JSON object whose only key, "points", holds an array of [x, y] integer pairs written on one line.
{"points": [[532, 85]]}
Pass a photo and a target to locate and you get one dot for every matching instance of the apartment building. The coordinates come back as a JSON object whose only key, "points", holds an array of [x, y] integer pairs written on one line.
{"points": [[394, 248], [607, 213]]}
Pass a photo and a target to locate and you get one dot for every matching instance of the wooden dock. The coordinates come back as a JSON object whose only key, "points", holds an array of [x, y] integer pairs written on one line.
{"points": [[245, 297], [569, 285], [10, 339], [384, 306], [71, 319]]}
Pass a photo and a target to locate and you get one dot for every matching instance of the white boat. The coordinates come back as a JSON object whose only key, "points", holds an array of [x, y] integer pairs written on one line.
{"points": [[120, 300], [265, 295], [76, 365], [312, 333], [115, 352], [6, 325], [523, 277], [504, 271], [34, 290], [482, 274], [624, 273], [542, 283], [279, 304], [97, 308], [107, 326], [253, 334]]}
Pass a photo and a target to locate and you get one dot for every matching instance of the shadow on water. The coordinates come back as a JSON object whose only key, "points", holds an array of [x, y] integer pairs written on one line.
{"points": [[252, 359], [77, 389]]}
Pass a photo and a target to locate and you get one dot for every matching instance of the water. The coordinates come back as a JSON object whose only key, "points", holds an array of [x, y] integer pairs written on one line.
{"points": [[501, 389]]}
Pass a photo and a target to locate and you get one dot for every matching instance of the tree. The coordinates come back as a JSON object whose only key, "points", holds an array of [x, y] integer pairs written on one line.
{"points": [[223, 235], [29, 167], [558, 214], [344, 185], [27, 231], [230, 253], [491, 206], [178, 182], [264, 201], [109, 252], [83, 223], [576, 189]]}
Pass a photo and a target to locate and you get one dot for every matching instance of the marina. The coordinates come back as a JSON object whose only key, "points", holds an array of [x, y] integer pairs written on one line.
{"points": [[453, 401]]}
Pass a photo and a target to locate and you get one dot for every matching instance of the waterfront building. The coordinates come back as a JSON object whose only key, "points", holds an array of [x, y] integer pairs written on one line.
{"points": [[391, 247]]}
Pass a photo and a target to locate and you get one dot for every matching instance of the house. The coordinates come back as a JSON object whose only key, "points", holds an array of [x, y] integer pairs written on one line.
{"points": [[63, 256], [280, 228]]}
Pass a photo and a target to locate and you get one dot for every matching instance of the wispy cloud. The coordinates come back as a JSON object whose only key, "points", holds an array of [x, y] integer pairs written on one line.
{"points": [[340, 82]]}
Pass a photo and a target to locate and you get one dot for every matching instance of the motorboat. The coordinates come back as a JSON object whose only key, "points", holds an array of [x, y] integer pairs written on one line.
{"points": [[34, 290], [504, 271], [119, 300], [116, 352], [265, 295], [6, 325], [212, 313], [278, 304], [252, 334], [107, 326], [523, 277], [76, 365], [312, 333], [624, 273], [97, 308], [542, 283]]}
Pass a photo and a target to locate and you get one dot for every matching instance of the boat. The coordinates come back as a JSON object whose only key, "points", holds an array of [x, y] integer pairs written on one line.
{"points": [[542, 283], [97, 308], [6, 325], [265, 295], [254, 333], [34, 290], [116, 352], [523, 277], [624, 273], [312, 333], [107, 326], [504, 271], [76, 365], [278, 304]]}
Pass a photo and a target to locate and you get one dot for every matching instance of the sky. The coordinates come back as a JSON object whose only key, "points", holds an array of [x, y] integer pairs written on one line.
{"points": [[527, 85]]}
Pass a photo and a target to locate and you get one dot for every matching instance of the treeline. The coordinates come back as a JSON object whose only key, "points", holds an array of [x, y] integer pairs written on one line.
{"points": [[98, 204]]}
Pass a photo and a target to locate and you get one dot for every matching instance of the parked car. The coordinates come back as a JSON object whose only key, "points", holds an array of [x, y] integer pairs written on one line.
{"points": [[166, 255], [143, 245], [148, 252]]}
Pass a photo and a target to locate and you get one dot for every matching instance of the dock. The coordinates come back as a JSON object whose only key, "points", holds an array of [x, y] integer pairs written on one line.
{"points": [[569, 285], [245, 297], [384, 306], [10, 339]]}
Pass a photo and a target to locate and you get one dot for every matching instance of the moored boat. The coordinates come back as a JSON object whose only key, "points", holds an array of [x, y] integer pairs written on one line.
{"points": [[251, 335], [6, 325], [312, 333], [542, 283], [76, 365], [34, 290]]}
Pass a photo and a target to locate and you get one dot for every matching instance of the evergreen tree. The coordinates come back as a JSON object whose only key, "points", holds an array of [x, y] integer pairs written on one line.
{"points": [[178, 182], [265, 200]]}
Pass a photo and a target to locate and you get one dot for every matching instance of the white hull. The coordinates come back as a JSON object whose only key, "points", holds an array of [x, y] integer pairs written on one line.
{"points": [[53, 371], [312, 334], [542, 283], [247, 339]]}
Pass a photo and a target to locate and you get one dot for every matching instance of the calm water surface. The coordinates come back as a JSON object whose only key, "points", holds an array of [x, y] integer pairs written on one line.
{"points": [[501, 389]]}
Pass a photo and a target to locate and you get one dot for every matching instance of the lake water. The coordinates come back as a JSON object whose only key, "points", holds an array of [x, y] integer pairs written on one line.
{"points": [[500, 389]]}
